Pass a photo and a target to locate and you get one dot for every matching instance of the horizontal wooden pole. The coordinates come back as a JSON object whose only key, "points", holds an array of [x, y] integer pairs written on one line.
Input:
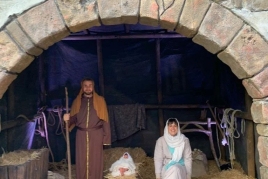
{"points": [[197, 122], [241, 114], [123, 36], [174, 106], [14, 123]]}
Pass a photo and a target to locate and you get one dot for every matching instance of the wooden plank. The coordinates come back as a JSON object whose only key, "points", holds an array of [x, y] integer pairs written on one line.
{"points": [[28, 169], [32, 170], [45, 162], [21, 171], [3, 172], [12, 172], [100, 67]]}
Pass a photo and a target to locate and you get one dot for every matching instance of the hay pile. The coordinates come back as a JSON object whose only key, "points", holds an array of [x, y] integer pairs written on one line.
{"points": [[145, 166], [146, 169], [61, 168], [235, 173], [19, 157]]}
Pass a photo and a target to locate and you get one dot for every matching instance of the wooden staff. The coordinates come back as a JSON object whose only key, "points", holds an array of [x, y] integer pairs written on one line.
{"points": [[67, 137]]}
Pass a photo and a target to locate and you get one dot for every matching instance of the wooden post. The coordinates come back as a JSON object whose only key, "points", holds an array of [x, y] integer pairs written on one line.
{"points": [[41, 78], [250, 143], [159, 87], [100, 67], [11, 102], [10, 112]]}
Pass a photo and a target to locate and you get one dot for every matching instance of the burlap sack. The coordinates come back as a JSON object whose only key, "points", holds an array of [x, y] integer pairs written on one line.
{"points": [[200, 163]]}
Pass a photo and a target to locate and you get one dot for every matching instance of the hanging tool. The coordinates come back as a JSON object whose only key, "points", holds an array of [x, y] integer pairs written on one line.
{"points": [[224, 140]]}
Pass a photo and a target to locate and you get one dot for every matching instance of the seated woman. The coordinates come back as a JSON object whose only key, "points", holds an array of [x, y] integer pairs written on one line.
{"points": [[173, 155], [123, 167]]}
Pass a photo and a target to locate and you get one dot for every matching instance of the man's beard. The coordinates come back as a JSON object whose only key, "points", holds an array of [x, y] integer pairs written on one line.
{"points": [[88, 93]]}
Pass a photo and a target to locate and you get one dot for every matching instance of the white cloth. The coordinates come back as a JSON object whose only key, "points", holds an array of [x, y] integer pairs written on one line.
{"points": [[175, 172], [123, 163], [162, 156], [176, 142]]}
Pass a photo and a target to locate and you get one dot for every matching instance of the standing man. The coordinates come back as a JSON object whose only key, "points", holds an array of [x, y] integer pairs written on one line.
{"points": [[89, 114]]}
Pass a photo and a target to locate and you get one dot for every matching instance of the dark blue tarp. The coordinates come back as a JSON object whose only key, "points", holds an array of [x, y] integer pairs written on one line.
{"points": [[189, 74]]}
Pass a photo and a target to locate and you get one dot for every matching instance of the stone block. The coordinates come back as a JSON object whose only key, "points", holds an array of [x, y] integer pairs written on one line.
{"points": [[264, 172], [130, 11], [12, 59], [262, 129], [110, 11], [22, 39], [191, 17], [218, 29], [257, 86], [5, 80], [119, 11], [149, 13], [79, 16], [169, 11], [259, 111], [44, 24], [263, 150], [247, 55]]}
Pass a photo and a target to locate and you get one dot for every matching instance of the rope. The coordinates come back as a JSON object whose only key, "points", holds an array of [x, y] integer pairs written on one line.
{"points": [[42, 122], [229, 125], [60, 128], [42, 129]]}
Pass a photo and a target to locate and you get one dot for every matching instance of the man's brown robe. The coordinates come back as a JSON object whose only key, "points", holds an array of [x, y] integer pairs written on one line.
{"points": [[92, 133]]}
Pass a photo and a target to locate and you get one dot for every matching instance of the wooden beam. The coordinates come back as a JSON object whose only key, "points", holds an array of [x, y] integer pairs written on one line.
{"points": [[159, 86], [41, 78], [175, 106], [124, 36], [14, 123], [250, 142], [11, 101], [100, 66], [10, 111]]}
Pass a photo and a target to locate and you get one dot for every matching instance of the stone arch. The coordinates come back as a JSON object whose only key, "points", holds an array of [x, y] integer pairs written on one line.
{"points": [[209, 24]]}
